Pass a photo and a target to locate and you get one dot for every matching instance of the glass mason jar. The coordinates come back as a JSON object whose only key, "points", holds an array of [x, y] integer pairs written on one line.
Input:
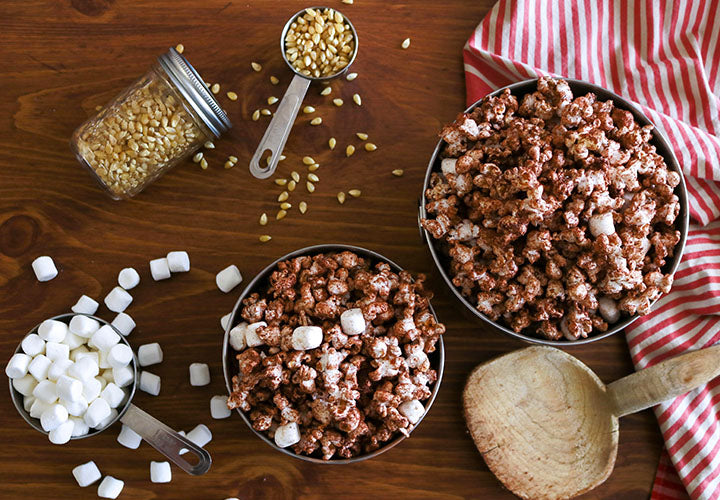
{"points": [[159, 120]]}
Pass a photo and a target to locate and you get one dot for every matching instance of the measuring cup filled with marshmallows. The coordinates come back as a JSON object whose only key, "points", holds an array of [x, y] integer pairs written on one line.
{"points": [[75, 375], [318, 44]]}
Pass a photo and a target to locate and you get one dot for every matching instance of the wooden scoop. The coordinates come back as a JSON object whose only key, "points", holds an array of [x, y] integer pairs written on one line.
{"points": [[547, 426]]}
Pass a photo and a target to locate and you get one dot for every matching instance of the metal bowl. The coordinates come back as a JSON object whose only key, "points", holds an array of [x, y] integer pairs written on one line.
{"points": [[259, 283], [578, 87]]}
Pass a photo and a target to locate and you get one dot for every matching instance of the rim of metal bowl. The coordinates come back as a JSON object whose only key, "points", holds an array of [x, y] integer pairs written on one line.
{"points": [[439, 353], [579, 87], [17, 398]]}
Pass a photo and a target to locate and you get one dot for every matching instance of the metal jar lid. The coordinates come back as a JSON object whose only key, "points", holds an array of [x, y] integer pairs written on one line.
{"points": [[193, 89]]}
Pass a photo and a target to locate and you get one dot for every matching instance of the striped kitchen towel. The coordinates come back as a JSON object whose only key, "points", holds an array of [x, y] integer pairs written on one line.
{"points": [[665, 56]]}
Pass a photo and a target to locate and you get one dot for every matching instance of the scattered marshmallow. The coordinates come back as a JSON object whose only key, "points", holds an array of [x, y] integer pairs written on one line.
{"points": [[44, 268], [85, 305], [105, 338], [32, 345], [252, 339], [237, 336], [83, 326], [123, 323], [160, 472], [128, 278], [118, 300], [86, 474], [113, 394], [46, 391], [287, 435], [84, 368], [159, 269], [120, 355], [219, 408], [18, 365], [110, 487], [150, 354], [39, 367], [38, 407], [228, 278], [80, 428], [129, 438], [91, 389], [307, 337], [52, 330], [53, 416], [62, 433], [225, 321], [58, 368], [25, 385], [412, 410], [123, 376], [56, 351], [69, 389], [200, 435], [178, 262], [353, 321], [150, 383], [73, 341], [199, 374], [98, 411]]}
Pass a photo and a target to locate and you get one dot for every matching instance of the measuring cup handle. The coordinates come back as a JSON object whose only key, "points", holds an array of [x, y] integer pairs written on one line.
{"points": [[278, 131], [166, 441]]}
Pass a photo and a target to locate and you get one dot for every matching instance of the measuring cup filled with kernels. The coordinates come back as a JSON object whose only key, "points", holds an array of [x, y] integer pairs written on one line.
{"points": [[160, 119]]}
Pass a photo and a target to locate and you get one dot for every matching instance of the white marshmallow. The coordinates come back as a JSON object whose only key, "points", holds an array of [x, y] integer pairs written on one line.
{"points": [[46, 391], [110, 487], [75, 408], [57, 368], [44, 268], [447, 166], [252, 339], [307, 337], [160, 472], [98, 411], [85, 305], [79, 351], [118, 300], [62, 433], [159, 269], [120, 355], [352, 321], [103, 362], [608, 309], [123, 323], [80, 428], [28, 402], [91, 389], [218, 407], [412, 410], [237, 336], [53, 416], [123, 376], [178, 262], [601, 224], [200, 435], [38, 407], [199, 374], [103, 381], [108, 420], [55, 351], [25, 385], [287, 435], [225, 320], [86, 474], [73, 341], [228, 278], [84, 368], [52, 330], [150, 354], [566, 331], [18, 365], [69, 389], [113, 395], [105, 338], [128, 278], [150, 383], [129, 438], [107, 376], [83, 326], [32, 345], [89, 354], [39, 367]]}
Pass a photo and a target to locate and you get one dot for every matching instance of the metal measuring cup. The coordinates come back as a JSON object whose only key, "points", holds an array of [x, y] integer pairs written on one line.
{"points": [[278, 131], [158, 435]]}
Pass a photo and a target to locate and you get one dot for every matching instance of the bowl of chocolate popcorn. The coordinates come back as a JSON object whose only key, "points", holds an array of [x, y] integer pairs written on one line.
{"points": [[333, 354], [555, 211]]}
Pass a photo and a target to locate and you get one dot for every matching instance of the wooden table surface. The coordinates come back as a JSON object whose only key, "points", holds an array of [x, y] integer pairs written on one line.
{"points": [[61, 58]]}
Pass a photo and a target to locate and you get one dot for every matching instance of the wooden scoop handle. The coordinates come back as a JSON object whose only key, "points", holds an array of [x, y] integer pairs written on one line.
{"points": [[664, 381]]}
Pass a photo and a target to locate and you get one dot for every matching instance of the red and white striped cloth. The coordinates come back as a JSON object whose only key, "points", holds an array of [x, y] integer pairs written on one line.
{"points": [[664, 56]]}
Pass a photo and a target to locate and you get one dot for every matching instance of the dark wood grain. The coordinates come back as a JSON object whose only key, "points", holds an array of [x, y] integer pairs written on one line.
{"points": [[59, 59]]}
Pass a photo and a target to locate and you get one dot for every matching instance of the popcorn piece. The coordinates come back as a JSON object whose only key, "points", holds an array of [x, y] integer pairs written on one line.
{"points": [[80, 428], [412, 410], [150, 354], [228, 278], [118, 300], [200, 435], [69, 389], [287, 435], [307, 337], [353, 321], [237, 336], [62, 433], [159, 269], [123, 376], [85, 305], [218, 407], [56, 351], [199, 374], [39, 367], [25, 385], [110, 487], [252, 339], [113, 394], [44, 268], [86, 474], [160, 472], [129, 438], [98, 411], [601, 224], [53, 416], [178, 262], [150, 383], [123, 323], [83, 326], [52, 330], [83, 369], [46, 391], [32, 345], [57, 368], [18, 365], [128, 278], [120, 355]]}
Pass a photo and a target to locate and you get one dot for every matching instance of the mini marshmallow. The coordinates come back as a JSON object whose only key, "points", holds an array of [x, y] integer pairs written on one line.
{"points": [[73, 341], [352, 321], [53, 416], [88, 354], [25, 385], [105, 338], [78, 351], [57, 368], [80, 428], [55, 351], [237, 336], [118, 300], [110, 487], [123, 323], [39, 367], [83, 326], [228, 278], [178, 262], [129, 438], [98, 411], [103, 381], [85, 305], [32, 345], [225, 320], [447, 166], [86, 474], [18, 365], [44, 268], [28, 402], [150, 354], [75, 408], [150, 383], [113, 395], [128, 278], [159, 269], [199, 374], [84, 368], [160, 472], [108, 420], [46, 391], [608, 309], [120, 355], [287, 435], [91, 389], [38, 407], [62, 433], [412, 410], [103, 362], [123, 376], [219, 408], [107, 376], [601, 224], [200, 435], [252, 339], [307, 337], [52, 330], [69, 389]]}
